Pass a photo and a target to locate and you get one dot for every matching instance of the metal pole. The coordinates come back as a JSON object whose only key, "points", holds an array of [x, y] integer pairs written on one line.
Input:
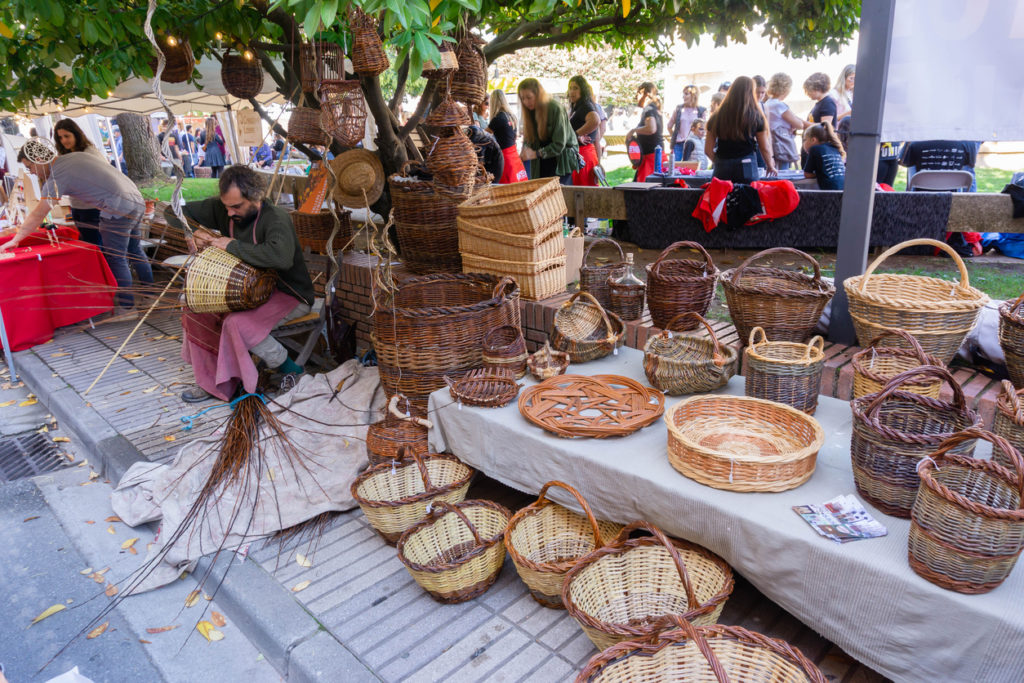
{"points": [[876, 20]]}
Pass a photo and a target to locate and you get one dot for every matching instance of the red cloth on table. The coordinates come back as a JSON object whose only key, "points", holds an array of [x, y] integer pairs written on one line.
{"points": [[43, 287], [585, 176], [514, 171]]}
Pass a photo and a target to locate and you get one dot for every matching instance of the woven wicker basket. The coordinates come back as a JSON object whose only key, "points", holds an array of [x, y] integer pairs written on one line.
{"points": [[688, 364], [678, 285], [536, 280], [876, 365], [786, 304], [785, 372], [304, 127], [483, 387], [446, 65], [518, 208], [368, 57], [456, 552], [504, 347], [624, 590], [1009, 420], [702, 654], [893, 430], [584, 330], [203, 171], [217, 282], [180, 62], [453, 162], [742, 444], [395, 496], [1011, 339], [398, 434], [314, 229], [495, 244], [319, 63], [343, 112], [594, 279], [937, 312], [547, 362], [428, 236], [545, 540], [469, 82], [967, 523], [241, 76]]}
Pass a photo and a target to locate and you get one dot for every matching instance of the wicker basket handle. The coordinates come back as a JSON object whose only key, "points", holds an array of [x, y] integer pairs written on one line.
{"points": [[586, 254], [489, 345], [679, 245], [1012, 397], [965, 279], [693, 633], [719, 358], [403, 451], [598, 541], [1015, 306], [439, 507], [997, 442], [816, 343], [922, 372], [393, 409], [604, 314], [691, 598], [910, 339], [778, 250], [753, 342], [505, 282]]}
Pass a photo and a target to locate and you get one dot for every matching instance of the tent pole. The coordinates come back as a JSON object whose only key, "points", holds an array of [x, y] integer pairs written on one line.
{"points": [[876, 23], [230, 117]]}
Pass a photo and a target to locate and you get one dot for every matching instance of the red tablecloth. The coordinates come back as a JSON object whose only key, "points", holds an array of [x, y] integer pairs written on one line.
{"points": [[43, 287]]}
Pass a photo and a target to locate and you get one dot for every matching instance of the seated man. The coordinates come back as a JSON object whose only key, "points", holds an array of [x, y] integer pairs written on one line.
{"points": [[261, 234]]}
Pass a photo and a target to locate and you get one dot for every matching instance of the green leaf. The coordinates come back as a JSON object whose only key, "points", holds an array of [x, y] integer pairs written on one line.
{"points": [[329, 12], [56, 14], [89, 34], [311, 24]]}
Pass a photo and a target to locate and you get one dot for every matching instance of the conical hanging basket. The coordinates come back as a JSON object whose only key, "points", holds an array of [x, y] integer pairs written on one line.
{"points": [[368, 58], [241, 76], [453, 162], [180, 62], [469, 82], [304, 127], [321, 63], [445, 67], [343, 111]]}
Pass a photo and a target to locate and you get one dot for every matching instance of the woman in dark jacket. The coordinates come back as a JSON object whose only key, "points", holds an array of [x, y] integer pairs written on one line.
{"points": [[735, 132]]}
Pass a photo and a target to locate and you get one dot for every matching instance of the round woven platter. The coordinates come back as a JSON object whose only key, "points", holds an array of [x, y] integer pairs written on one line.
{"points": [[599, 406], [358, 170]]}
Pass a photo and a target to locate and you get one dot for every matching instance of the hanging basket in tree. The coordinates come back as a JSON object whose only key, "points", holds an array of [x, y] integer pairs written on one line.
{"points": [[446, 66], [321, 63], [453, 162], [180, 62], [368, 58], [343, 111], [242, 75], [446, 117], [469, 82], [304, 127]]}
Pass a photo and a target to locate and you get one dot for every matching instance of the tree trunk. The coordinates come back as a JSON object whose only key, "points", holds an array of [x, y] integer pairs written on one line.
{"points": [[8, 125], [141, 155]]}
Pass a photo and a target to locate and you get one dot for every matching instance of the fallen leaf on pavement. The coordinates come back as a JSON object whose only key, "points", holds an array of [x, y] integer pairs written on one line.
{"points": [[7, 403], [98, 631], [111, 590], [42, 430], [302, 560], [113, 518], [169, 437], [129, 543], [161, 629], [103, 571], [59, 354], [61, 439], [133, 371], [97, 577], [94, 475], [192, 598], [111, 530], [161, 358], [145, 642], [151, 389], [208, 631], [131, 356], [133, 551], [218, 619], [28, 402], [89, 521], [302, 585], [29, 519], [207, 597], [48, 612], [86, 571]]}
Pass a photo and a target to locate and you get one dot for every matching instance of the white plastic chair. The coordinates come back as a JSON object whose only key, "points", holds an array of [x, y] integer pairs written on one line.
{"points": [[940, 181]]}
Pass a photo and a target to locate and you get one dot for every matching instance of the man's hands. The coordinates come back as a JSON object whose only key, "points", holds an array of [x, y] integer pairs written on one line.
{"points": [[206, 239]]}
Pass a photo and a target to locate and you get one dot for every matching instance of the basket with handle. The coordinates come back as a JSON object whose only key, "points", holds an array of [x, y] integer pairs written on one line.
{"points": [[314, 229], [680, 285], [701, 654], [967, 523], [785, 372], [455, 553], [547, 363], [1009, 420], [585, 330], [218, 282], [894, 429], [876, 365], [504, 347], [594, 279], [395, 495], [787, 304], [396, 431], [242, 76], [625, 299], [1011, 339], [517, 208], [939, 313], [625, 589], [687, 363], [545, 540]]}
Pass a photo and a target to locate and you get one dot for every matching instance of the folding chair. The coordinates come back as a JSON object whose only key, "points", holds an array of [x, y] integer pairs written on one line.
{"points": [[941, 181], [301, 335]]}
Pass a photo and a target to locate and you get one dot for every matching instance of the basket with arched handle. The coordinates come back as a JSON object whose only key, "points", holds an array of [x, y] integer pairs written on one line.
{"points": [[687, 363], [1011, 339], [785, 372], [680, 285], [585, 330], [874, 366]]}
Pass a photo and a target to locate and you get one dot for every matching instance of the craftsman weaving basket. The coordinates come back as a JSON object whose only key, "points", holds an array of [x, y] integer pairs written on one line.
{"points": [[217, 282]]}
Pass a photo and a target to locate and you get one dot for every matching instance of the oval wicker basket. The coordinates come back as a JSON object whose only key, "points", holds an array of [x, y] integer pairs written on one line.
{"points": [[517, 208], [676, 286], [742, 444], [876, 365], [594, 279], [446, 65], [1011, 339], [624, 590], [688, 364], [967, 523], [304, 127], [547, 363], [584, 330], [218, 282], [398, 434], [1009, 420], [396, 496], [893, 430], [785, 372], [241, 76], [937, 312], [314, 229], [545, 540], [483, 387], [504, 347], [455, 553], [786, 303]]}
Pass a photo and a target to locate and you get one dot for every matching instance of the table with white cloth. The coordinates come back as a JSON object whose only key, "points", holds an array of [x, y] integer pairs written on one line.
{"points": [[862, 595]]}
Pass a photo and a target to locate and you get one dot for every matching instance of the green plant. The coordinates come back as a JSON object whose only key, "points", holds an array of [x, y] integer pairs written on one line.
{"points": [[191, 190]]}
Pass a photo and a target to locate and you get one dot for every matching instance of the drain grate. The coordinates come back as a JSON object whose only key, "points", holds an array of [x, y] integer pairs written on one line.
{"points": [[27, 455]]}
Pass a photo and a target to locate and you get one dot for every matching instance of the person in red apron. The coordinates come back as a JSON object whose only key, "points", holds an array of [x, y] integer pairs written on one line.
{"points": [[218, 346], [648, 134], [503, 127], [585, 120]]}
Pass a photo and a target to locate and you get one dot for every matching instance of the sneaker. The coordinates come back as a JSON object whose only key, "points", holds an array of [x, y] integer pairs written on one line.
{"points": [[195, 394]]}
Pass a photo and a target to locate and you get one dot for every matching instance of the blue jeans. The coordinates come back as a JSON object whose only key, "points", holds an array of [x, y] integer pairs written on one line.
{"points": [[87, 221], [740, 170], [677, 151], [121, 244]]}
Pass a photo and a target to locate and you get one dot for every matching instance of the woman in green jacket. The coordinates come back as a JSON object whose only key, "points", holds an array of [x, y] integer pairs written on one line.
{"points": [[550, 142]]}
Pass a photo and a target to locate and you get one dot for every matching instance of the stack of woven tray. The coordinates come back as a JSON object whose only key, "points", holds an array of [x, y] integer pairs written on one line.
{"points": [[516, 230]]}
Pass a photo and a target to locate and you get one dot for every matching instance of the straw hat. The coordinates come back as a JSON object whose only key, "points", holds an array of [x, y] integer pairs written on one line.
{"points": [[358, 170]]}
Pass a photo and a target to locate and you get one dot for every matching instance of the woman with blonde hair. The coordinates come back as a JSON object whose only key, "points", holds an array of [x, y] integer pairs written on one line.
{"points": [[550, 143], [735, 132], [503, 126], [843, 92], [649, 133]]}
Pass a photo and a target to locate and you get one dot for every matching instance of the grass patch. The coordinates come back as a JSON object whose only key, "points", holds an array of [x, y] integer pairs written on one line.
{"points": [[192, 189], [621, 175], [999, 282]]}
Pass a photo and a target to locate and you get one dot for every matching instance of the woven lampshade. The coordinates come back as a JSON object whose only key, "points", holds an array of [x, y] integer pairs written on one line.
{"points": [[343, 111], [448, 63], [358, 170], [180, 62], [241, 77]]}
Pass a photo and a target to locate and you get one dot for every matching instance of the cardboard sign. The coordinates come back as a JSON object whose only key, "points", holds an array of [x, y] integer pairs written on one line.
{"points": [[250, 128]]}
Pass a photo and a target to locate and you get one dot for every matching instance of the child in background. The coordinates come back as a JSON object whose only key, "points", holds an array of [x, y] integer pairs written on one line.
{"points": [[826, 160], [693, 146]]}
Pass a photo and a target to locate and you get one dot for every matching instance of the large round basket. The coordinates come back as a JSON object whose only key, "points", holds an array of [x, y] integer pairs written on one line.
{"points": [[314, 229], [584, 330], [304, 127], [894, 429], [385, 440], [428, 236], [456, 552], [742, 444], [1011, 339], [432, 326], [1009, 420], [594, 279], [545, 540], [877, 364], [679, 285], [395, 496], [702, 654], [242, 76], [624, 590], [967, 523], [687, 363], [180, 61], [517, 208], [785, 372], [504, 347], [937, 312], [786, 303], [218, 282]]}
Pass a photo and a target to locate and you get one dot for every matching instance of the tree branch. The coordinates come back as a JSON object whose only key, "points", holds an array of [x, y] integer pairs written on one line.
{"points": [[421, 108], [493, 50], [403, 77]]}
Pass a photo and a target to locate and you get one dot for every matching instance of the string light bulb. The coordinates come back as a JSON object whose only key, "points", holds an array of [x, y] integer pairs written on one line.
{"points": [[172, 41], [248, 55], [218, 35]]}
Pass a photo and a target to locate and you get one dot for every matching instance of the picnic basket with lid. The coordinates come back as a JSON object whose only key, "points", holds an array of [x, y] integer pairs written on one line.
{"points": [[455, 553], [545, 540], [396, 431], [584, 330], [680, 285], [504, 347], [701, 654], [785, 372], [967, 522], [395, 495], [687, 363], [743, 444], [517, 208], [242, 77], [594, 279], [939, 313], [894, 429], [786, 303], [1009, 420], [625, 589], [547, 362], [1011, 339], [314, 229], [218, 282], [877, 364]]}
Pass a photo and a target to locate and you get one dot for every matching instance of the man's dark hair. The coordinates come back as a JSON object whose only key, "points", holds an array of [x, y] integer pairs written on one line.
{"points": [[21, 156], [248, 182], [188, 126]]}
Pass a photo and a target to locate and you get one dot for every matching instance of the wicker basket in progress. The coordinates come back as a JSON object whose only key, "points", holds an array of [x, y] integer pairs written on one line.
{"points": [[456, 552], [385, 440], [217, 282], [517, 208], [241, 76], [624, 590], [504, 347], [939, 313], [343, 111], [1011, 339], [536, 280], [584, 330], [686, 363], [495, 244], [876, 365], [545, 540], [785, 372], [547, 362], [594, 279], [1009, 420], [677, 285]]}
